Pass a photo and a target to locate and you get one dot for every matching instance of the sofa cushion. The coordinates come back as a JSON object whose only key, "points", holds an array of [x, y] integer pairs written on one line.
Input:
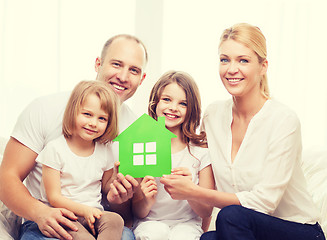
{"points": [[315, 170]]}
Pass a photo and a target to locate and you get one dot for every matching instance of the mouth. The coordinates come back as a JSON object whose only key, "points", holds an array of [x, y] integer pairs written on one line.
{"points": [[118, 87], [234, 80], [171, 116], [89, 131]]}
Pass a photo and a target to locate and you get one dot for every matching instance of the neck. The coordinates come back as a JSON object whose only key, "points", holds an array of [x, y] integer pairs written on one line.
{"points": [[247, 107], [177, 143], [80, 147]]}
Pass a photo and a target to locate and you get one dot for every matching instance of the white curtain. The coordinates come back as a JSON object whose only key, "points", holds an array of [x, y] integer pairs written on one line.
{"points": [[48, 46]]}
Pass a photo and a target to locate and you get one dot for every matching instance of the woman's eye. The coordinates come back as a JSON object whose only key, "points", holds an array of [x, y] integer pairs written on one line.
{"points": [[244, 61], [223, 60]]}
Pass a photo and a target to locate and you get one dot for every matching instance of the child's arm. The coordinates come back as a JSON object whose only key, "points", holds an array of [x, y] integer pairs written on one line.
{"points": [[144, 197], [206, 180], [51, 179], [106, 181]]}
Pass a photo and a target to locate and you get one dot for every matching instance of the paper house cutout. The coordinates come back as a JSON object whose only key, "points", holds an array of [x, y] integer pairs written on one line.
{"points": [[145, 148]]}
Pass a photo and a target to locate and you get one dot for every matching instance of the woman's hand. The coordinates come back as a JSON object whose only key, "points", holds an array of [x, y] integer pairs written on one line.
{"points": [[179, 184]]}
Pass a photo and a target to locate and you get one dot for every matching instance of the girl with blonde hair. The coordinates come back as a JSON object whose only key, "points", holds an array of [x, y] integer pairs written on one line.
{"points": [[77, 166]]}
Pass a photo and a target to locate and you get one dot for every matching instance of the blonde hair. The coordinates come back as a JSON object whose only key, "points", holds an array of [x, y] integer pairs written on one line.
{"points": [[193, 112], [252, 37], [109, 103]]}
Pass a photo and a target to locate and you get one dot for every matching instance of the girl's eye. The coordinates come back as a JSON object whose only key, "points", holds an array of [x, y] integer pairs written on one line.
{"points": [[166, 99], [184, 104], [103, 119], [87, 114]]}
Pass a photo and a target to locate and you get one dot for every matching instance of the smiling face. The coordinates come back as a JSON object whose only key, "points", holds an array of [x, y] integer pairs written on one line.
{"points": [[239, 69], [173, 106], [91, 120], [122, 67]]}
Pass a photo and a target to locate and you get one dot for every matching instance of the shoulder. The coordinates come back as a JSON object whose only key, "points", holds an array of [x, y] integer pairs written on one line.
{"points": [[218, 107], [280, 112], [198, 151]]}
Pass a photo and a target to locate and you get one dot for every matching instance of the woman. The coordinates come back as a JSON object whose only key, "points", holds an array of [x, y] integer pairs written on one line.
{"points": [[256, 147]]}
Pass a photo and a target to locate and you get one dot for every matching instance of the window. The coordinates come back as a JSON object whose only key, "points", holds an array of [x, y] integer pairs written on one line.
{"points": [[145, 152]]}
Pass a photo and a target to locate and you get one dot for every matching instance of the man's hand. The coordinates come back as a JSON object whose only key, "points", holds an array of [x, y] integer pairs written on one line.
{"points": [[52, 220], [122, 187]]}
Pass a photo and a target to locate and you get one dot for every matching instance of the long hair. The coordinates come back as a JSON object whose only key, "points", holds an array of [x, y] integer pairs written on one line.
{"points": [[109, 103], [253, 38], [193, 112]]}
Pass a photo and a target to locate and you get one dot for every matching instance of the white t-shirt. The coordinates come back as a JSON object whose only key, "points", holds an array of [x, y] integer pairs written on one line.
{"points": [[172, 211], [266, 174], [41, 122], [80, 177]]}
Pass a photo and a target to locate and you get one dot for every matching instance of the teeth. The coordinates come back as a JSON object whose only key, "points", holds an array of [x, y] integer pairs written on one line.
{"points": [[118, 87], [234, 79], [170, 115]]}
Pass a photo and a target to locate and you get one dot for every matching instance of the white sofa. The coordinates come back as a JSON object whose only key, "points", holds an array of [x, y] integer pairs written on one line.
{"points": [[314, 167]]}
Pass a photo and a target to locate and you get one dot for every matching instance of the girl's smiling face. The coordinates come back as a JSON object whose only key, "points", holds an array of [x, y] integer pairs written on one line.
{"points": [[91, 121], [173, 106], [239, 69]]}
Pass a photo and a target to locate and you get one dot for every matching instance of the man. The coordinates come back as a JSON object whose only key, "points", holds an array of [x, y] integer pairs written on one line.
{"points": [[121, 65]]}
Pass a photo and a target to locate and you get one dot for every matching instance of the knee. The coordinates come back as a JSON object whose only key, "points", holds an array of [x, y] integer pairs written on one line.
{"points": [[229, 215], [114, 219]]}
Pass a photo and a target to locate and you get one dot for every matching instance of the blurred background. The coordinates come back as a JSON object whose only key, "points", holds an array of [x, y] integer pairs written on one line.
{"points": [[48, 46]]}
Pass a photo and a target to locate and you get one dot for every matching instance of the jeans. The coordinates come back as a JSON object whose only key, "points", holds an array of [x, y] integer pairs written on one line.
{"points": [[240, 223], [30, 231]]}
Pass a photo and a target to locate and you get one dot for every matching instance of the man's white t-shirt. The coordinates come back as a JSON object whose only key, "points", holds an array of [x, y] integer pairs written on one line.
{"points": [[41, 122]]}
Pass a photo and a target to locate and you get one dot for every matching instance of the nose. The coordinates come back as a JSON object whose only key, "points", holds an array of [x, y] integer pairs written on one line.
{"points": [[122, 75], [233, 68], [93, 122], [172, 106]]}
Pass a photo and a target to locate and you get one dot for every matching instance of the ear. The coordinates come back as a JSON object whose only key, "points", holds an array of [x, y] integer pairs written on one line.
{"points": [[143, 77], [264, 67], [97, 64]]}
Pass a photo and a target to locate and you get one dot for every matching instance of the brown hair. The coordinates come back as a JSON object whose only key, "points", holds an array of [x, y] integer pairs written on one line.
{"points": [[193, 112], [253, 38], [109, 103]]}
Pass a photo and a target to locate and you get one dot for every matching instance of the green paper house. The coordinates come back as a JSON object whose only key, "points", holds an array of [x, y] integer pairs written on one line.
{"points": [[145, 148]]}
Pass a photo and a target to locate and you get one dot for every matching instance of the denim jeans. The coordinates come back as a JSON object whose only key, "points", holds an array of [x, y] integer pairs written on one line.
{"points": [[30, 231], [240, 223]]}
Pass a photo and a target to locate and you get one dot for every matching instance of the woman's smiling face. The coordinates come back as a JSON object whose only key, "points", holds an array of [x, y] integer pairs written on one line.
{"points": [[239, 68]]}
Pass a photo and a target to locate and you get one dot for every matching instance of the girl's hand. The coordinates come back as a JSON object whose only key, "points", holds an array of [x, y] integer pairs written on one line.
{"points": [[90, 214], [149, 189], [182, 171]]}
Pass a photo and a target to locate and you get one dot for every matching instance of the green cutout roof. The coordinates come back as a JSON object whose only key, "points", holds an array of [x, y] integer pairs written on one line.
{"points": [[145, 148]]}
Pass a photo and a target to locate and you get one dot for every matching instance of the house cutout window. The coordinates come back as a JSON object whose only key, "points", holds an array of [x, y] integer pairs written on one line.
{"points": [[145, 152]]}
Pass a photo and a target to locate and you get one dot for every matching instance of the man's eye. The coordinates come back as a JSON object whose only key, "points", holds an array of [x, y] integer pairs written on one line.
{"points": [[134, 71]]}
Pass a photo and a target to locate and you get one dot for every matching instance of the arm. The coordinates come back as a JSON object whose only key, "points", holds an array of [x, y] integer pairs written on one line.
{"points": [[206, 180], [183, 188], [144, 197], [18, 161], [51, 179], [120, 193]]}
